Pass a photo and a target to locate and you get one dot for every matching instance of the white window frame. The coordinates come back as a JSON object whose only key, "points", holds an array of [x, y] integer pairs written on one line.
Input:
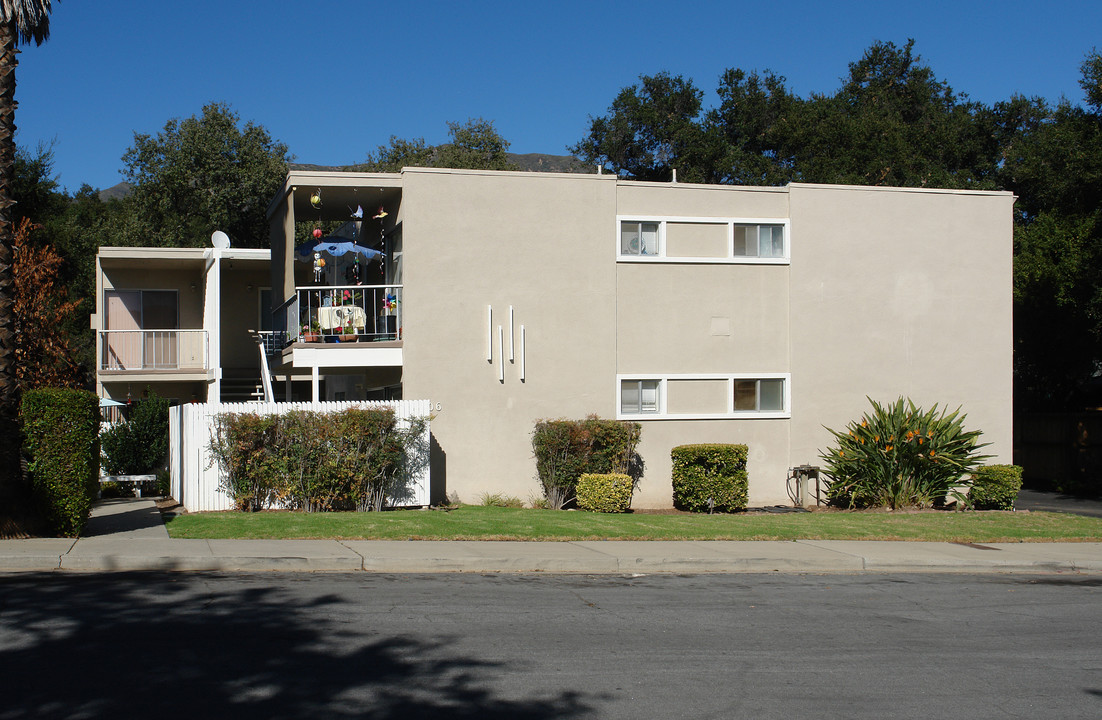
{"points": [[730, 414], [730, 223]]}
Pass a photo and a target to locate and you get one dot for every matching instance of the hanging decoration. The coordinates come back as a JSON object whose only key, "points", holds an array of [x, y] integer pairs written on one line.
{"points": [[381, 214], [315, 199]]}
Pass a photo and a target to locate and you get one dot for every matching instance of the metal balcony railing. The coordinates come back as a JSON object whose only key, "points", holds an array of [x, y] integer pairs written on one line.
{"points": [[153, 350], [361, 312]]}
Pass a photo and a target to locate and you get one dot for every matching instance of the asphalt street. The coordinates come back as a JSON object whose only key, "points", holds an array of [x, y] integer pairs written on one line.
{"points": [[268, 645]]}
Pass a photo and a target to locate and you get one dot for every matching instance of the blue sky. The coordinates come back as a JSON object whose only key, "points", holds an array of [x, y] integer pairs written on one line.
{"points": [[335, 79]]}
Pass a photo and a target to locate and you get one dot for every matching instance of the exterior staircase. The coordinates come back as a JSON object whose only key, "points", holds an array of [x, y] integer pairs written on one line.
{"points": [[242, 385]]}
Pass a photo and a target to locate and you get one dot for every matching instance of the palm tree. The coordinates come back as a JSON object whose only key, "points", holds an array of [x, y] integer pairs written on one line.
{"points": [[20, 21]]}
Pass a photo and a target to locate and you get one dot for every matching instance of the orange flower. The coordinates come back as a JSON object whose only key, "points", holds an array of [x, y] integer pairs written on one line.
{"points": [[886, 449], [931, 453]]}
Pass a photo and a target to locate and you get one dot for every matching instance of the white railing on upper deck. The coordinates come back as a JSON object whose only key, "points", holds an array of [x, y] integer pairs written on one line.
{"points": [[373, 312], [153, 349]]}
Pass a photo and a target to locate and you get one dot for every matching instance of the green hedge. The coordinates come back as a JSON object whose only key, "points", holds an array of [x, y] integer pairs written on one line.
{"points": [[716, 473], [606, 492], [566, 449], [62, 439], [995, 487], [350, 460]]}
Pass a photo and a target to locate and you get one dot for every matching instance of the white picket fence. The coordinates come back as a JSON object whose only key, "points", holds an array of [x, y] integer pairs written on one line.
{"points": [[196, 479]]}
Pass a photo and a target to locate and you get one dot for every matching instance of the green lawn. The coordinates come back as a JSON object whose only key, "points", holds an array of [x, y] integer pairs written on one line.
{"points": [[494, 523]]}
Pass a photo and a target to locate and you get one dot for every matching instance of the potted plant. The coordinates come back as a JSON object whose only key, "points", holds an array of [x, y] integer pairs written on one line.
{"points": [[310, 332]]}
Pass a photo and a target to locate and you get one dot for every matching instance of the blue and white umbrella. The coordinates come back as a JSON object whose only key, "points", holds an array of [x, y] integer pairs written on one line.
{"points": [[333, 248]]}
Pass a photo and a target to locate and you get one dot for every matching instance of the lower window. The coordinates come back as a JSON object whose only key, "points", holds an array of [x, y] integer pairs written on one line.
{"points": [[759, 395], [639, 396]]}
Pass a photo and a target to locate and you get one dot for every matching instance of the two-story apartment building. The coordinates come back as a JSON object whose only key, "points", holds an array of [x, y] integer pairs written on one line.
{"points": [[707, 313]]}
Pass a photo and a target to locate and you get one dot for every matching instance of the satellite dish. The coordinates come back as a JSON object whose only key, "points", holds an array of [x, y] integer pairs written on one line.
{"points": [[219, 239]]}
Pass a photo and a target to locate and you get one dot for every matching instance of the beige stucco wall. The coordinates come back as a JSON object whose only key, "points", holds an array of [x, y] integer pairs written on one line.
{"points": [[541, 243], [888, 293], [697, 318], [900, 293]]}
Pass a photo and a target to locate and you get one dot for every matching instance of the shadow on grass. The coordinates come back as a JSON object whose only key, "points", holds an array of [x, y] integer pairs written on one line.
{"points": [[149, 645]]}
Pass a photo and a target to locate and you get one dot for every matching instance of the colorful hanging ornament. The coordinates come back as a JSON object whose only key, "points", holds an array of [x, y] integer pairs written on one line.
{"points": [[315, 199], [317, 233]]}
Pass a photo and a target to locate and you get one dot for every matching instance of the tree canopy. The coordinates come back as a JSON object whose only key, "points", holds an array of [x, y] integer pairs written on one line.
{"points": [[474, 145], [203, 174]]}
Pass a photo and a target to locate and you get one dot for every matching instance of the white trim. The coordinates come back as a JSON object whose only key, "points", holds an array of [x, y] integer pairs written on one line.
{"points": [[501, 354], [511, 358], [730, 222], [522, 353], [731, 414], [489, 333]]}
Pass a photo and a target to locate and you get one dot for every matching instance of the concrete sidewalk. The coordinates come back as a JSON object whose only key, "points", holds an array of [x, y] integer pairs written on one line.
{"points": [[129, 535]]}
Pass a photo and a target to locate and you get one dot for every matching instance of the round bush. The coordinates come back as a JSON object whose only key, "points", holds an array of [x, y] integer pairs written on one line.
{"points": [[608, 493]]}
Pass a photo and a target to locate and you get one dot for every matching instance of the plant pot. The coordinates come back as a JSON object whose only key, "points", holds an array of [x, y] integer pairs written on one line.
{"points": [[310, 337]]}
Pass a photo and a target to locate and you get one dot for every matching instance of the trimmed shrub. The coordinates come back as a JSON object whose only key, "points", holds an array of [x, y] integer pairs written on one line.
{"points": [[710, 477], [138, 446], [900, 455], [350, 460], [605, 492], [565, 449], [995, 487], [62, 440], [246, 452]]}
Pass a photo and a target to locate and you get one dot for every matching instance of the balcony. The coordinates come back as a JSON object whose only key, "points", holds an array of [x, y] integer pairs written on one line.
{"points": [[345, 313], [153, 350]]}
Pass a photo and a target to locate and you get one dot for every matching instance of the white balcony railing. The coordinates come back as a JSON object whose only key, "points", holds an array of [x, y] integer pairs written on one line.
{"points": [[363, 312], [153, 350]]}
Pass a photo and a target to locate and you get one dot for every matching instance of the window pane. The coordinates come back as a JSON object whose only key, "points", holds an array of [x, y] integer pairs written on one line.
{"points": [[265, 298], [629, 239], [746, 394], [629, 396], [159, 310], [778, 241], [772, 395], [649, 396], [771, 239], [745, 245], [650, 239]]}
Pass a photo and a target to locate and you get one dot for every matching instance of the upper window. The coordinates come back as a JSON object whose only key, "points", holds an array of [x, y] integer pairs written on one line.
{"points": [[703, 240], [704, 396], [638, 238], [765, 241]]}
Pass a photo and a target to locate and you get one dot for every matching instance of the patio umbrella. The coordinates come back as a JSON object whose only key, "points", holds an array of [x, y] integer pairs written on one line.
{"points": [[333, 248], [104, 402]]}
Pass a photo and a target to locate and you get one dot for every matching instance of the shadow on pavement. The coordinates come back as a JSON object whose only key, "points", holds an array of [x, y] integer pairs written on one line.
{"points": [[152, 645], [1046, 501]]}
